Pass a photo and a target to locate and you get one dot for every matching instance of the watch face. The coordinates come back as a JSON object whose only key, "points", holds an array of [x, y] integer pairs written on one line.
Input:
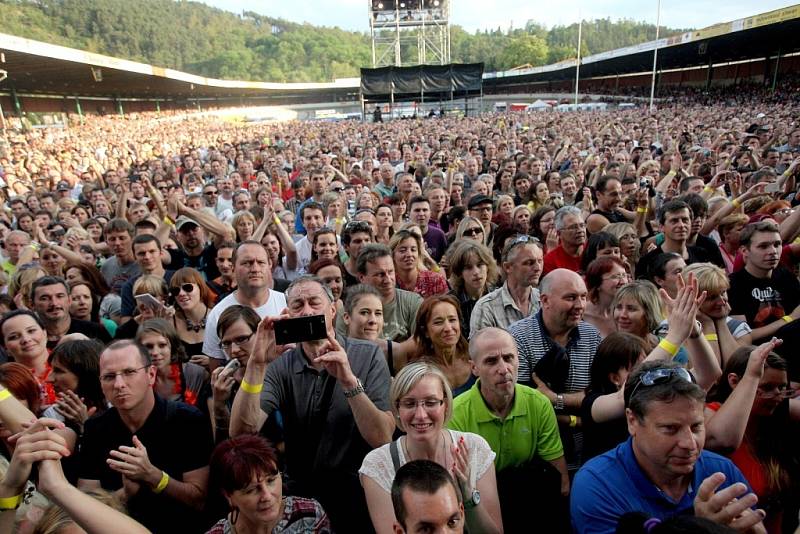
{"points": [[476, 497]]}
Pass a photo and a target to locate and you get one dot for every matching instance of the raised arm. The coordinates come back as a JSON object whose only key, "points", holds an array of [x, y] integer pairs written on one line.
{"points": [[223, 231], [725, 428]]}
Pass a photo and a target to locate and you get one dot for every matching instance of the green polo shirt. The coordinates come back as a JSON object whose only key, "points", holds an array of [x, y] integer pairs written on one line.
{"points": [[529, 430]]}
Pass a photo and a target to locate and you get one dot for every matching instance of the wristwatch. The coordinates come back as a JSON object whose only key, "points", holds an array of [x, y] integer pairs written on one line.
{"points": [[474, 500], [559, 404], [350, 393]]}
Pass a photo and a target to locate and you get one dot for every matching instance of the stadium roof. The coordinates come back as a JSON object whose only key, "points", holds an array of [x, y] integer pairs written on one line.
{"points": [[42, 68]]}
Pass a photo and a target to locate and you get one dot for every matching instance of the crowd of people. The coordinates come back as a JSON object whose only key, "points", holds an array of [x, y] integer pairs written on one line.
{"points": [[525, 322]]}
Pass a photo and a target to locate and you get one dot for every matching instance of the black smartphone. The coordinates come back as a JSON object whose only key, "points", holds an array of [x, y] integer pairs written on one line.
{"points": [[300, 329]]}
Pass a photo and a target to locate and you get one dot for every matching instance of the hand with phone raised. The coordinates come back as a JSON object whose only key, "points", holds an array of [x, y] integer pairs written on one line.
{"points": [[334, 358]]}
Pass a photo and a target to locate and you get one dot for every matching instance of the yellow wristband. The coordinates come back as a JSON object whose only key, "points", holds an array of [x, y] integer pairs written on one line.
{"points": [[641, 210], [276, 220], [708, 189], [671, 348], [168, 220], [711, 337], [10, 503], [736, 203], [162, 483], [250, 388], [4, 394], [787, 318], [573, 421]]}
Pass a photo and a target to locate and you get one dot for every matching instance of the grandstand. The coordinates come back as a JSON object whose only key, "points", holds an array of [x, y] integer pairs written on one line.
{"points": [[42, 77]]}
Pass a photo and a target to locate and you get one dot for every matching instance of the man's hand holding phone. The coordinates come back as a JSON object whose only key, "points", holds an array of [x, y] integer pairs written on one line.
{"points": [[334, 358]]}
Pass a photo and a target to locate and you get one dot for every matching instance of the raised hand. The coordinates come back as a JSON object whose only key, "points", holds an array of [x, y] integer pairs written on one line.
{"points": [[758, 358], [134, 463], [73, 408], [334, 358], [683, 308], [460, 469], [222, 382], [38, 442]]}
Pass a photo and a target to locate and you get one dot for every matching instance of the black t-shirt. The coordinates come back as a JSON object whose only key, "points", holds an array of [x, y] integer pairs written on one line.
{"points": [[763, 300], [646, 262], [612, 216], [178, 440], [205, 262], [712, 249], [599, 437], [87, 328]]}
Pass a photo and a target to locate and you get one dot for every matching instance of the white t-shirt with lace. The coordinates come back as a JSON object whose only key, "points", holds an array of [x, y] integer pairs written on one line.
{"points": [[378, 464]]}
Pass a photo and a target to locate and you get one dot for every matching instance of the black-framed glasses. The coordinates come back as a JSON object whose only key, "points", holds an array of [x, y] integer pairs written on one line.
{"points": [[660, 376], [187, 288], [126, 374], [337, 189], [469, 232], [210, 193], [238, 341]]}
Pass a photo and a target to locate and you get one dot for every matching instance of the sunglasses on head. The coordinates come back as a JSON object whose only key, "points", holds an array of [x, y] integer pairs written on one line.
{"points": [[187, 288], [661, 376]]}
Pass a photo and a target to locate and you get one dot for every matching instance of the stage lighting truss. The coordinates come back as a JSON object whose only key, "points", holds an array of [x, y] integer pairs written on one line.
{"points": [[409, 32]]}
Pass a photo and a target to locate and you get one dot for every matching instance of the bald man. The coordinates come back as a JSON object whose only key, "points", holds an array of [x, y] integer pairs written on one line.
{"points": [[556, 348]]}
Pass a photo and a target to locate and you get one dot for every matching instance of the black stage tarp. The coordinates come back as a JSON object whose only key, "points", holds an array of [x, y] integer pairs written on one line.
{"points": [[384, 84]]}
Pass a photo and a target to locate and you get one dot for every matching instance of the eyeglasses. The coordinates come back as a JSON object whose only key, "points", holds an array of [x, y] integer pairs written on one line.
{"points": [[472, 231], [575, 227], [481, 208], [660, 376], [784, 211], [782, 392], [337, 189], [410, 405], [126, 374], [187, 288], [210, 193], [238, 341], [616, 277]]}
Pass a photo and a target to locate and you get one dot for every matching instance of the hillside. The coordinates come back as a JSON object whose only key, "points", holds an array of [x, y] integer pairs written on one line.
{"points": [[199, 39]]}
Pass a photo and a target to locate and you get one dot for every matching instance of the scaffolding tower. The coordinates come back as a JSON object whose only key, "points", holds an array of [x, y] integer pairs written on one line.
{"points": [[409, 32]]}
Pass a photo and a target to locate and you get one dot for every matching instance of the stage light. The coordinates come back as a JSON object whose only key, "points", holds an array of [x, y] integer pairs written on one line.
{"points": [[402, 4], [380, 5], [435, 3]]}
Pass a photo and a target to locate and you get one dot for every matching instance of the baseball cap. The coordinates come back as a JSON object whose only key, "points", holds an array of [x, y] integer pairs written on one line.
{"points": [[477, 200], [63, 186], [183, 220]]}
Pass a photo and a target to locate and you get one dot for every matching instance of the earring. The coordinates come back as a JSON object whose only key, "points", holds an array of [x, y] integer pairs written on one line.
{"points": [[234, 514]]}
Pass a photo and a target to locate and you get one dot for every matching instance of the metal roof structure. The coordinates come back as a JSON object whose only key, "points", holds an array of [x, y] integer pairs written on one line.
{"points": [[35, 67]]}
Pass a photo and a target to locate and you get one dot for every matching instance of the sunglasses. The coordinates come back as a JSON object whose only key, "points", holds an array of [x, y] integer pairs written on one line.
{"points": [[473, 231], [661, 376], [209, 193], [187, 288]]}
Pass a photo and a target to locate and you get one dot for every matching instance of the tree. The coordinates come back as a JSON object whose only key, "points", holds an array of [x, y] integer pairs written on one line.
{"points": [[522, 50]]}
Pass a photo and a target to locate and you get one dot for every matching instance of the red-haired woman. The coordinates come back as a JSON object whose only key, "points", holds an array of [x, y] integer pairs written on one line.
{"points": [[245, 471], [193, 300]]}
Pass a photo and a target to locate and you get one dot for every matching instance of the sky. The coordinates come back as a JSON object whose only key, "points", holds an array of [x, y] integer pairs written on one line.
{"points": [[482, 14]]}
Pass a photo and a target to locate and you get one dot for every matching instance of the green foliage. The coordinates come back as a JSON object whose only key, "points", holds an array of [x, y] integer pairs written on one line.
{"points": [[196, 38]]}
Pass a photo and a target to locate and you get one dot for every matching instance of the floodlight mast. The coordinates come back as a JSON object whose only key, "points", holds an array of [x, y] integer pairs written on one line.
{"points": [[409, 32]]}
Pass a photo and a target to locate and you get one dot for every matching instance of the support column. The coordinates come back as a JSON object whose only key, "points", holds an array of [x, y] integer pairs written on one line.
{"points": [[775, 74], [158, 105], [78, 108], [119, 108], [17, 104], [709, 75]]}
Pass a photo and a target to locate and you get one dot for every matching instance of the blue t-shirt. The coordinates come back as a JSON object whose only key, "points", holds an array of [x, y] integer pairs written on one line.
{"points": [[613, 484]]}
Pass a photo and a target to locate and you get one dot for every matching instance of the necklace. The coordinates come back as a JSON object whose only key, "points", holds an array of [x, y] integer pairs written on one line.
{"points": [[196, 327]]}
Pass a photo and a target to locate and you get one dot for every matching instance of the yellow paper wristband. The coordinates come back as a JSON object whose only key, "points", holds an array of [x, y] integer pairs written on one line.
{"points": [[573, 421], [736, 203], [4, 394], [711, 337], [10, 503], [787, 318], [708, 189], [276, 220], [671, 348], [162, 483], [641, 210], [250, 388]]}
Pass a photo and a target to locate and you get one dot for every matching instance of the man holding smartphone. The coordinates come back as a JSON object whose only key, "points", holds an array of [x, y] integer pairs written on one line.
{"points": [[333, 395]]}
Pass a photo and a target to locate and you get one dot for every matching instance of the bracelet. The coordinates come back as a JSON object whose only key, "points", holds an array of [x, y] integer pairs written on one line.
{"points": [[573, 421], [711, 337], [708, 189], [788, 318], [251, 388], [641, 210], [735, 202], [671, 348], [10, 503], [276, 220], [4, 394], [168, 220], [162, 483]]}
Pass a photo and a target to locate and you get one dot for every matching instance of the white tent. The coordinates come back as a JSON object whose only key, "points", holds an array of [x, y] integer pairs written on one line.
{"points": [[539, 105]]}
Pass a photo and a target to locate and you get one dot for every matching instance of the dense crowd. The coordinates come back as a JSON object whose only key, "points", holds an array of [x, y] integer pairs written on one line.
{"points": [[515, 322]]}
